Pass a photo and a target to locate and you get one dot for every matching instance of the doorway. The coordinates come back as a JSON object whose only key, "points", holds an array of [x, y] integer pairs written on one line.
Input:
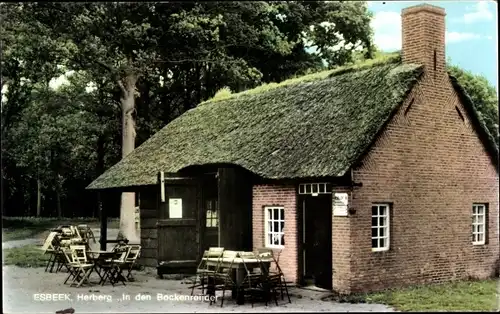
{"points": [[317, 240]]}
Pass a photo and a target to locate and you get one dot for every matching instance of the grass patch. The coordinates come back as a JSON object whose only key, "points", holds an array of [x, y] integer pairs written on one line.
{"points": [[17, 228], [25, 256], [454, 296]]}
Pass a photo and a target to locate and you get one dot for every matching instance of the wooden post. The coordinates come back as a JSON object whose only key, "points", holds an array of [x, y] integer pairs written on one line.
{"points": [[104, 224]]}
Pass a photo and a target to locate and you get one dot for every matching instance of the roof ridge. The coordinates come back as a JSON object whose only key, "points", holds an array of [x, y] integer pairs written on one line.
{"points": [[392, 59]]}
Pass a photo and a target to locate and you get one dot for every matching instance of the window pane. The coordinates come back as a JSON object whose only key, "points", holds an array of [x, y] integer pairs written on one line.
{"points": [[480, 219], [374, 232], [480, 237], [474, 228], [301, 189], [474, 219], [282, 214], [270, 211], [374, 243], [283, 239], [270, 226], [270, 238], [282, 226], [276, 226], [214, 213], [382, 242], [308, 188], [276, 214], [374, 210], [381, 221], [382, 232], [277, 239], [480, 228], [374, 222], [383, 210]]}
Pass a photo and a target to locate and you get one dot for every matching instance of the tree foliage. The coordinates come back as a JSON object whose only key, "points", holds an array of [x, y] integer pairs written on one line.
{"points": [[148, 63]]}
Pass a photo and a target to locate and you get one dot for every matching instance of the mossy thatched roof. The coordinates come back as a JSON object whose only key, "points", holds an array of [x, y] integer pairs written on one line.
{"points": [[310, 128]]}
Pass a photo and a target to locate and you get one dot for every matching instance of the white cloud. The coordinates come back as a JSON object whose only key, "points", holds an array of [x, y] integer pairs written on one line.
{"points": [[454, 37], [481, 12], [387, 30], [388, 37]]}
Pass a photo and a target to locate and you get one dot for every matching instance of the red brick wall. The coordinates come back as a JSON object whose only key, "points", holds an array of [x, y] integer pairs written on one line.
{"points": [[432, 166], [277, 195], [341, 248]]}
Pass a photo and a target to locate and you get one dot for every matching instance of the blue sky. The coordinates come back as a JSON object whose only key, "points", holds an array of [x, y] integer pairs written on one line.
{"points": [[471, 32]]}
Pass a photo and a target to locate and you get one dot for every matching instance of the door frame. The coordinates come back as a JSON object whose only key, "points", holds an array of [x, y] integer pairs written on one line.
{"points": [[302, 195], [176, 180]]}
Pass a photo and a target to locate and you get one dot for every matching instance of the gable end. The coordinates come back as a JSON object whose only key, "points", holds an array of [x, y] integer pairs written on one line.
{"points": [[476, 122]]}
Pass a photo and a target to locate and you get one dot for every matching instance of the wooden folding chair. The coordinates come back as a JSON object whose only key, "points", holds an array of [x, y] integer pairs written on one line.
{"points": [[80, 265], [86, 233], [203, 269], [222, 278], [72, 269], [255, 283], [114, 271], [275, 276], [49, 248], [133, 254]]}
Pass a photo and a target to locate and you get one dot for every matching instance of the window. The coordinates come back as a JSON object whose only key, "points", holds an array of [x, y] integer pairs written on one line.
{"points": [[315, 189], [212, 219], [478, 224], [380, 227], [275, 225]]}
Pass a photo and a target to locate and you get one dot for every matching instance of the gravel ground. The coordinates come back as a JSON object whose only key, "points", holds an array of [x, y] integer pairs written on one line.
{"points": [[21, 286]]}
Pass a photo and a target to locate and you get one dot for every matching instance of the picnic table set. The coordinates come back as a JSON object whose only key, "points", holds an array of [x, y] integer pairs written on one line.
{"points": [[69, 247], [252, 275]]}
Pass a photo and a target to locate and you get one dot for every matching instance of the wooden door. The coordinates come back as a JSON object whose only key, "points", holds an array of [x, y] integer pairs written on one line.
{"points": [[178, 223], [318, 240]]}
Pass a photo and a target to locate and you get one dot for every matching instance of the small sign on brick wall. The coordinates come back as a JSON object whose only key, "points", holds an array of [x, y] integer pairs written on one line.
{"points": [[340, 204]]}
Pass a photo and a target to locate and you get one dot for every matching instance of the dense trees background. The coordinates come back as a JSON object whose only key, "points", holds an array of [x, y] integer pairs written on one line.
{"points": [[134, 67]]}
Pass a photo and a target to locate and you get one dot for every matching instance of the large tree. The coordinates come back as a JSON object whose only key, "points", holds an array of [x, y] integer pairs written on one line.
{"points": [[197, 48]]}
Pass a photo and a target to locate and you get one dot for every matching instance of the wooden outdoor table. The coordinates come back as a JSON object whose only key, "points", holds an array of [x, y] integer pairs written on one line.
{"points": [[238, 264]]}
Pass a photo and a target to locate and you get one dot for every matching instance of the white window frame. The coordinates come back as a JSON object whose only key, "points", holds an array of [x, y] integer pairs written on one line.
{"points": [[387, 234], [267, 221], [315, 189], [478, 210]]}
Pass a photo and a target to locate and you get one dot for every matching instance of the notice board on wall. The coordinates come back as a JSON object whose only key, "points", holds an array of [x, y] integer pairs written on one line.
{"points": [[175, 207], [340, 204]]}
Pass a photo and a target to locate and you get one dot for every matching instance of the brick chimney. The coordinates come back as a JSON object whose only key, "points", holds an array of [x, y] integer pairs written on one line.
{"points": [[423, 28]]}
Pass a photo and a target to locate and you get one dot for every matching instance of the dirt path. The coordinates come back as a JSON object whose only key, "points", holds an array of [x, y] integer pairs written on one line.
{"points": [[22, 286]]}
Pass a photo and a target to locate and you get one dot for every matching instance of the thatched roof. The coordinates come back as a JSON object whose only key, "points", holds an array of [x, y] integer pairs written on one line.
{"points": [[311, 128]]}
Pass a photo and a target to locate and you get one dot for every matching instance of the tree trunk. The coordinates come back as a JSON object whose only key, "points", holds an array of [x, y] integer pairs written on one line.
{"points": [[4, 190], [99, 170], [58, 204], [38, 197], [127, 209]]}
